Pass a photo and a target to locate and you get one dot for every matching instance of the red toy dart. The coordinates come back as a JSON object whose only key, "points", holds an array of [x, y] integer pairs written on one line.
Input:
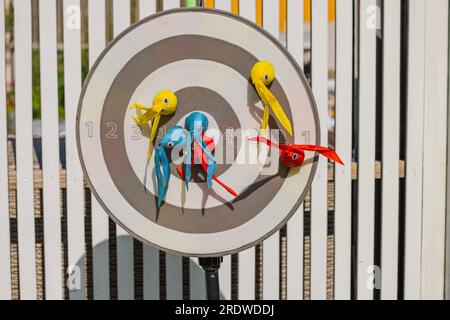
{"points": [[198, 154], [293, 155]]}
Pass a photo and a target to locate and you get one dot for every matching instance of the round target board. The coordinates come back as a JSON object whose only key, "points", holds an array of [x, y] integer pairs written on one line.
{"points": [[205, 57]]}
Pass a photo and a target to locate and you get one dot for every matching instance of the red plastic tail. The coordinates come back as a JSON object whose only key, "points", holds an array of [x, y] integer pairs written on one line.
{"points": [[266, 141], [231, 191], [181, 173], [326, 152]]}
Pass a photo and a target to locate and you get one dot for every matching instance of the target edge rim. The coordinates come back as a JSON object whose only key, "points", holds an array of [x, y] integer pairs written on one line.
{"points": [[298, 70]]}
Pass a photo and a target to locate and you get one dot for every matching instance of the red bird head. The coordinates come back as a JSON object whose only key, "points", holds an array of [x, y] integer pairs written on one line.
{"points": [[293, 155]]}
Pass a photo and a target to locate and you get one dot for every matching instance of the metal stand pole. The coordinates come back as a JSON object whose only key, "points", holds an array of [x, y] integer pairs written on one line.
{"points": [[211, 267]]}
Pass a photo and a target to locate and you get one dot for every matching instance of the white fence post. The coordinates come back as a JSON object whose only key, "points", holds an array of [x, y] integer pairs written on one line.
{"points": [[391, 149], [366, 137], [75, 179], [434, 150], [174, 264], [24, 147], [225, 268], [150, 254], [5, 242], [197, 290], [295, 236], [223, 5], [146, 8], [174, 277], [343, 174], [271, 246], [171, 4], [246, 273], [125, 263], [414, 141], [50, 149], [99, 218], [319, 205]]}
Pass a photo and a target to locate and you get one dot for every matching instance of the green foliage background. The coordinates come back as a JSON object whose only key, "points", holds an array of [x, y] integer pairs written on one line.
{"points": [[37, 83], [36, 89]]}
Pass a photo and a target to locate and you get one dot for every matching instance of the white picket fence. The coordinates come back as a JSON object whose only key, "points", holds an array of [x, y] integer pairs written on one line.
{"points": [[397, 222]]}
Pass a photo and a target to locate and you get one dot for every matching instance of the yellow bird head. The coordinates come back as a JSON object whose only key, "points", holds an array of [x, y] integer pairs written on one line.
{"points": [[263, 71], [167, 101]]}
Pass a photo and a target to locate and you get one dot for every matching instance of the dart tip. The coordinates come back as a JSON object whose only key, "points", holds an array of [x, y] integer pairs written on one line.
{"points": [[340, 161], [337, 159], [180, 172], [288, 127]]}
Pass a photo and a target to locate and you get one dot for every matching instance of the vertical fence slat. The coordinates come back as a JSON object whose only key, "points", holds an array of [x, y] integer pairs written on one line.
{"points": [[225, 278], [151, 272], [225, 268], [271, 246], [174, 277], [391, 148], [447, 240], [171, 4], [100, 220], [434, 151], [246, 275], [247, 9], [366, 156], [414, 151], [319, 209], [343, 174], [150, 254], [146, 8], [24, 150], [295, 30], [50, 149], [295, 238], [223, 5], [75, 183], [125, 263], [5, 266], [197, 290]]}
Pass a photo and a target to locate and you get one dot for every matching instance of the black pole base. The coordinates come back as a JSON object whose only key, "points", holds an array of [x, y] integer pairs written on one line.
{"points": [[211, 267]]}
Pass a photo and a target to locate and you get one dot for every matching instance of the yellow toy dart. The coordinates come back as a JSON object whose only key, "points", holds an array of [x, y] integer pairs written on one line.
{"points": [[165, 103], [262, 75]]}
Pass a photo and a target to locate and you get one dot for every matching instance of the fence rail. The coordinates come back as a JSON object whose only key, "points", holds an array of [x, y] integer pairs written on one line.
{"points": [[372, 229]]}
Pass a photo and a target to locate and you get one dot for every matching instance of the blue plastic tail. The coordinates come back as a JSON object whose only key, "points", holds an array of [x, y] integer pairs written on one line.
{"points": [[162, 176], [188, 159]]}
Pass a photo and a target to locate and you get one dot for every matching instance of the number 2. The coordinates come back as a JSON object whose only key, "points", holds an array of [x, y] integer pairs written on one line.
{"points": [[112, 133]]}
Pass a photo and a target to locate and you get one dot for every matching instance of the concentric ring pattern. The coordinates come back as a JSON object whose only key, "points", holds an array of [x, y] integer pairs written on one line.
{"points": [[204, 56]]}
